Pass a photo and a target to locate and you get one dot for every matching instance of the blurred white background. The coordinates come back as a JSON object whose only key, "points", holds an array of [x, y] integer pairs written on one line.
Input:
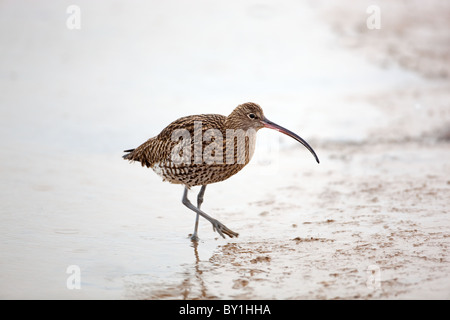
{"points": [[72, 100]]}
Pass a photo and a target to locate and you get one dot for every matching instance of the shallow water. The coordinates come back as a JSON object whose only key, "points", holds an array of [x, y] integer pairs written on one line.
{"points": [[72, 100]]}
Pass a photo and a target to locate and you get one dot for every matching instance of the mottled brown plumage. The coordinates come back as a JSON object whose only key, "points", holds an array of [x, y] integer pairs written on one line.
{"points": [[156, 152], [202, 149]]}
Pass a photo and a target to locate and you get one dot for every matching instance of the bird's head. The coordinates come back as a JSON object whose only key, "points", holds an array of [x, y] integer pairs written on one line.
{"points": [[249, 115], [246, 116]]}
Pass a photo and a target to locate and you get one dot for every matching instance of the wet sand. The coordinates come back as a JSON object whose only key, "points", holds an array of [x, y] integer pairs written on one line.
{"points": [[370, 222], [390, 217]]}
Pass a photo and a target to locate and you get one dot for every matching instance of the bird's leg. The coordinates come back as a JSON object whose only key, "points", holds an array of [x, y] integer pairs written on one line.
{"points": [[217, 226], [200, 196], [194, 236]]}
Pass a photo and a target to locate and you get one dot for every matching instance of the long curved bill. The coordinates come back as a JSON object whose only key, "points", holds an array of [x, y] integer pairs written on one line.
{"points": [[269, 124]]}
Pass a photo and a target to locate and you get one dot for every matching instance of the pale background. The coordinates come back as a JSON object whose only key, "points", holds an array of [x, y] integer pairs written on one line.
{"points": [[374, 104]]}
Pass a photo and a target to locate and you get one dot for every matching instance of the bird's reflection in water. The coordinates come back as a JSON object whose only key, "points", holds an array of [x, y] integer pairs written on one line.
{"points": [[188, 284], [193, 286]]}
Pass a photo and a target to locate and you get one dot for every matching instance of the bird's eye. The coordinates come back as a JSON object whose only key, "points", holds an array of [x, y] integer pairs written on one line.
{"points": [[252, 116]]}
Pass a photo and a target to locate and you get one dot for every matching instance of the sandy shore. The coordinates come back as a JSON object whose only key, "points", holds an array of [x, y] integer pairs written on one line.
{"points": [[381, 207], [370, 222]]}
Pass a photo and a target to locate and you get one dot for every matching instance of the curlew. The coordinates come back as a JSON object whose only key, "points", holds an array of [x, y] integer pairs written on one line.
{"points": [[202, 149]]}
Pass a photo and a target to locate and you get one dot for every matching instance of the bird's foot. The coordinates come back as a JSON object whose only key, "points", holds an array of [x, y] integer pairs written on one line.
{"points": [[194, 238], [222, 229]]}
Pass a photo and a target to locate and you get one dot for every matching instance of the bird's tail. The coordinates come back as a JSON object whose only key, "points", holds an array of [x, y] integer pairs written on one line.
{"points": [[128, 155]]}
